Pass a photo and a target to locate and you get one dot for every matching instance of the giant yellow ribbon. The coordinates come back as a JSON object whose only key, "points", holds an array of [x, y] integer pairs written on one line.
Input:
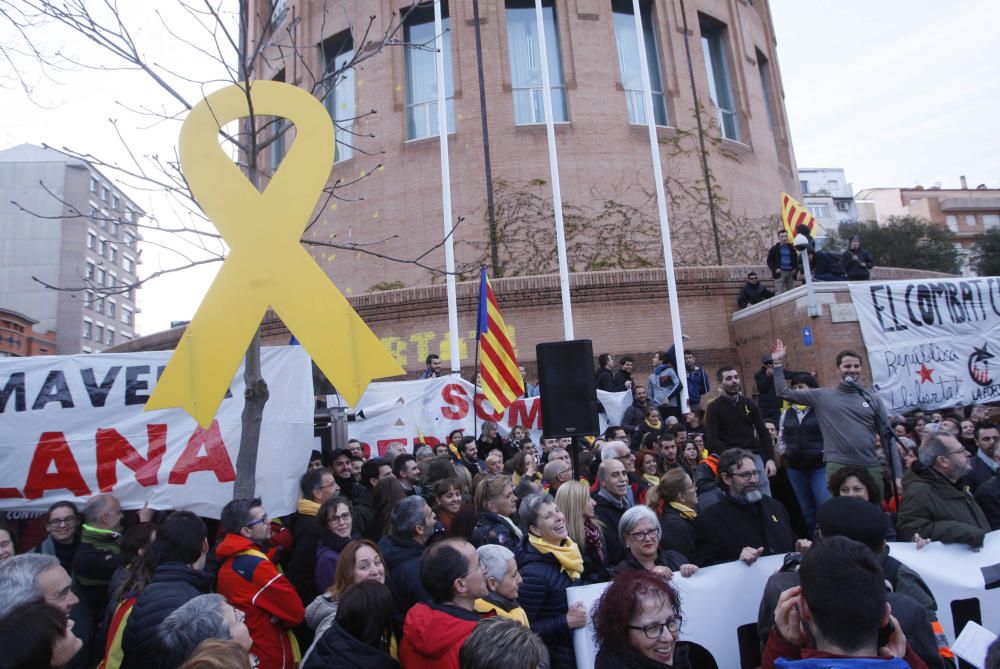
{"points": [[267, 265]]}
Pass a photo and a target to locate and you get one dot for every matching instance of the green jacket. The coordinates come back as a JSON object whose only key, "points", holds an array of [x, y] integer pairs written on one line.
{"points": [[936, 509]]}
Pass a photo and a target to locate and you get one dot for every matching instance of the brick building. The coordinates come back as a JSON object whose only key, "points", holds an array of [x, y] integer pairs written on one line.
{"points": [[18, 337]]}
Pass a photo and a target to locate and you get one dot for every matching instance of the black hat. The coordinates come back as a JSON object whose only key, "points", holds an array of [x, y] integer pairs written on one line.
{"points": [[854, 518]]}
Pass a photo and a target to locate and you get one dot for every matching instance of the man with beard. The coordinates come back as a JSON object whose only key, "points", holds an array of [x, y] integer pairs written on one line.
{"points": [[733, 420], [936, 506], [744, 524], [253, 584], [636, 413]]}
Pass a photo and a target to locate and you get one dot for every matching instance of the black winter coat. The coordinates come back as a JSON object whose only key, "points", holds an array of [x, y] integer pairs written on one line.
{"points": [[676, 532], [857, 264], [988, 498], [610, 514], [302, 563], [174, 584], [338, 648], [724, 529], [629, 658], [803, 441], [492, 529], [543, 597], [363, 509], [670, 559], [402, 561]]}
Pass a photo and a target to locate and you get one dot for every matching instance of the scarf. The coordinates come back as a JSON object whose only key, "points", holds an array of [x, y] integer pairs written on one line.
{"points": [[567, 553], [684, 510], [653, 426], [592, 535], [653, 479], [307, 507], [335, 541]]}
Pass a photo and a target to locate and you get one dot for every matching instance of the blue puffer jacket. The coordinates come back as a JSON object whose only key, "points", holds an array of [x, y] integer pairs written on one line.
{"points": [[173, 585], [543, 597]]}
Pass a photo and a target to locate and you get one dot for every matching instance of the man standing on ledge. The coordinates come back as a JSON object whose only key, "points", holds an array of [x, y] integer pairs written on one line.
{"points": [[849, 422]]}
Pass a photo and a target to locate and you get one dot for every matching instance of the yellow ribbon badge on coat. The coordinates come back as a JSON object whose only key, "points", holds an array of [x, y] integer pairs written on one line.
{"points": [[267, 265]]}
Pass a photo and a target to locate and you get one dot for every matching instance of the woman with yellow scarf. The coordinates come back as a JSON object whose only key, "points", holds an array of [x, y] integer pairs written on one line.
{"points": [[549, 562]]}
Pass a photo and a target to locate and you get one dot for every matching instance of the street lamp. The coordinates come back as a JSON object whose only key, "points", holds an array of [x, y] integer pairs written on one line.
{"points": [[801, 243]]}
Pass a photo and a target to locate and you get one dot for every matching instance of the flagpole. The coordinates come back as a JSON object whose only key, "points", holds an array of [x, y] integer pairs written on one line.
{"points": [[661, 205], [479, 334], [550, 133], [449, 247]]}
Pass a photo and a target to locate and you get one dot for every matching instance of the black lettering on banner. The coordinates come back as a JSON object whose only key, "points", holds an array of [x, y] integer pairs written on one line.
{"points": [[993, 288], [939, 291], [925, 303], [15, 387], [55, 389], [133, 385], [954, 305], [892, 309], [879, 308], [909, 305], [98, 393]]}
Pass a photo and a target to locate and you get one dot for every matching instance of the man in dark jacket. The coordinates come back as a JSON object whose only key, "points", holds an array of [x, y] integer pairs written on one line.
{"points": [[612, 502], [935, 506], [753, 292], [623, 377], [744, 524], [767, 398], [452, 575], [856, 261], [781, 260], [179, 551], [636, 413], [733, 420], [372, 472], [603, 377], [984, 466], [412, 522], [317, 486], [99, 554], [826, 266]]}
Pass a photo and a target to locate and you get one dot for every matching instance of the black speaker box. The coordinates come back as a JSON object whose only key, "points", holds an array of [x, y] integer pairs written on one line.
{"points": [[566, 386]]}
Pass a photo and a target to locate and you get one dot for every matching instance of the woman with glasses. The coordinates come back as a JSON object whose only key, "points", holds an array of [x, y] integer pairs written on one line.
{"points": [[637, 623], [639, 532], [62, 523], [336, 531]]}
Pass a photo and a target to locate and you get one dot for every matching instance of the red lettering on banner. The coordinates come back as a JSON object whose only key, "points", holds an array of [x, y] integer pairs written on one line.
{"points": [[53, 449], [112, 447], [457, 399], [10, 493], [518, 414], [216, 458], [481, 411]]}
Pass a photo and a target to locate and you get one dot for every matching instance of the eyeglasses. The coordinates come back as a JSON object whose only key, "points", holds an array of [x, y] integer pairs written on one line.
{"points": [[655, 631], [262, 519], [755, 474], [342, 518], [642, 535], [957, 451], [56, 522]]}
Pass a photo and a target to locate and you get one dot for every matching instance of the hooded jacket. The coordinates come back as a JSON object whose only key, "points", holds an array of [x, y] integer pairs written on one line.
{"points": [[253, 584], [433, 634], [338, 648], [939, 510]]}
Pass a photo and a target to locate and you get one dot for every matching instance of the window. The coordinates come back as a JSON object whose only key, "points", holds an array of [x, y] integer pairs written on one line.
{"points": [[764, 70], [843, 206], [114, 255], [970, 220], [951, 222], [91, 241], [105, 193], [129, 239], [109, 336], [713, 42], [114, 229], [991, 221], [804, 186], [94, 184], [112, 280], [128, 316], [819, 210], [88, 329], [102, 276], [88, 299], [111, 308], [103, 248], [99, 333], [129, 215], [338, 51], [129, 264], [421, 72], [628, 61], [90, 270], [99, 303], [114, 202], [526, 63]]}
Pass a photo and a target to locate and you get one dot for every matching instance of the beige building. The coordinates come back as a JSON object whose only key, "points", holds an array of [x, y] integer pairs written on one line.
{"points": [[968, 212], [386, 111]]}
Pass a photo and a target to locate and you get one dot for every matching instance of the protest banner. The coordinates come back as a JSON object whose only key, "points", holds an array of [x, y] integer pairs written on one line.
{"points": [[401, 411], [75, 426], [932, 343], [717, 601]]}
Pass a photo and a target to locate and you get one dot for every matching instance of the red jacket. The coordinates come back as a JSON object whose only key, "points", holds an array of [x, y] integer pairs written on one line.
{"points": [[254, 585], [433, 634]]}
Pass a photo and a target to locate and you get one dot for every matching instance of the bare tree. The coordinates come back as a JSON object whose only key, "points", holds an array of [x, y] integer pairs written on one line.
{"points": [[241, 44]]}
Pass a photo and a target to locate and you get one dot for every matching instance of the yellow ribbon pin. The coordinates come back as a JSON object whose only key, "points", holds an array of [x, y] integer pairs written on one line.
{"points": [[267, 265]]}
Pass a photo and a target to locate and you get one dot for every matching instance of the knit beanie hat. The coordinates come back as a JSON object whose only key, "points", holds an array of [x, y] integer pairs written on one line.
{"points": [[854, 518]]}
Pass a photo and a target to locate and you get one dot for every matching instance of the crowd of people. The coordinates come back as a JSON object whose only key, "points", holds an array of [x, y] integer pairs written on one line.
{"points": [[461, 555]]}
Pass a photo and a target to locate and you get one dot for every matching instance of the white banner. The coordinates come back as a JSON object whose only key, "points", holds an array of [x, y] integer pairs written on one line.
{"points": [[401, 411], [74, 426], [932, 343], [718, 600]]}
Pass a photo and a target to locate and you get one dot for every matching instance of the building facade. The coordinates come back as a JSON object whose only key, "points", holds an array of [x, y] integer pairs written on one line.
{"points": [[828, 196], [18, 337], [967, 212], [385, 106], [69, 249]]}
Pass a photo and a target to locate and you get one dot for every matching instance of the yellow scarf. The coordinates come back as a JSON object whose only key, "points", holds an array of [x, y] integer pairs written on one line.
{"points": [[652, 478], [685, 510], [568, 554], [307, 507], [656, 426]]}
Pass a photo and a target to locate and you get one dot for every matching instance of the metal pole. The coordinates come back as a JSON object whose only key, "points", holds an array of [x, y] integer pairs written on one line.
{"points": [[661, 205], [550, 133], [449, 246], [813, 308], [490, 206]]}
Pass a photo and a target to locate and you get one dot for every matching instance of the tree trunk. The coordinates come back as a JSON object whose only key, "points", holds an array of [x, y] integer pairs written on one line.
{"points": [[255, 398]]}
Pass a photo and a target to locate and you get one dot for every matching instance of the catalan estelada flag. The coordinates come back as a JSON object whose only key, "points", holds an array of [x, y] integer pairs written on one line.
{"points": [[793, 214], [498, 372]]}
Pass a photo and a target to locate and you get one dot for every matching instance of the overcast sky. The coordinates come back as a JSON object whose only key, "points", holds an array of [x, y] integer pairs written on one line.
{"points": [[896, 92]]}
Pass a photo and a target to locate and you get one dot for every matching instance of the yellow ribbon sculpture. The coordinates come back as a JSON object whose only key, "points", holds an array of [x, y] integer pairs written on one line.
{"points": [[267, 265]]}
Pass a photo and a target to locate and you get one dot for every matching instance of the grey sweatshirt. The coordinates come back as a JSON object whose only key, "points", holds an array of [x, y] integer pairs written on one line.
{"points": [[846, 420]]}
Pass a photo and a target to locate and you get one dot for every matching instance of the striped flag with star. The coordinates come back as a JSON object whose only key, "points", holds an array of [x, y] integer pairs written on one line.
{"points": [[498, 371], [793, 214]]}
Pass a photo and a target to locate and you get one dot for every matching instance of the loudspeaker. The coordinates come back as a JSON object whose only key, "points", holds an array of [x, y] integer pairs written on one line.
{"points": [[566, 386]]}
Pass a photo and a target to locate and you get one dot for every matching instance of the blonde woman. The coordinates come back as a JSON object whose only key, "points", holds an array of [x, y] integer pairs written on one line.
{"points": [[574, 500]]}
